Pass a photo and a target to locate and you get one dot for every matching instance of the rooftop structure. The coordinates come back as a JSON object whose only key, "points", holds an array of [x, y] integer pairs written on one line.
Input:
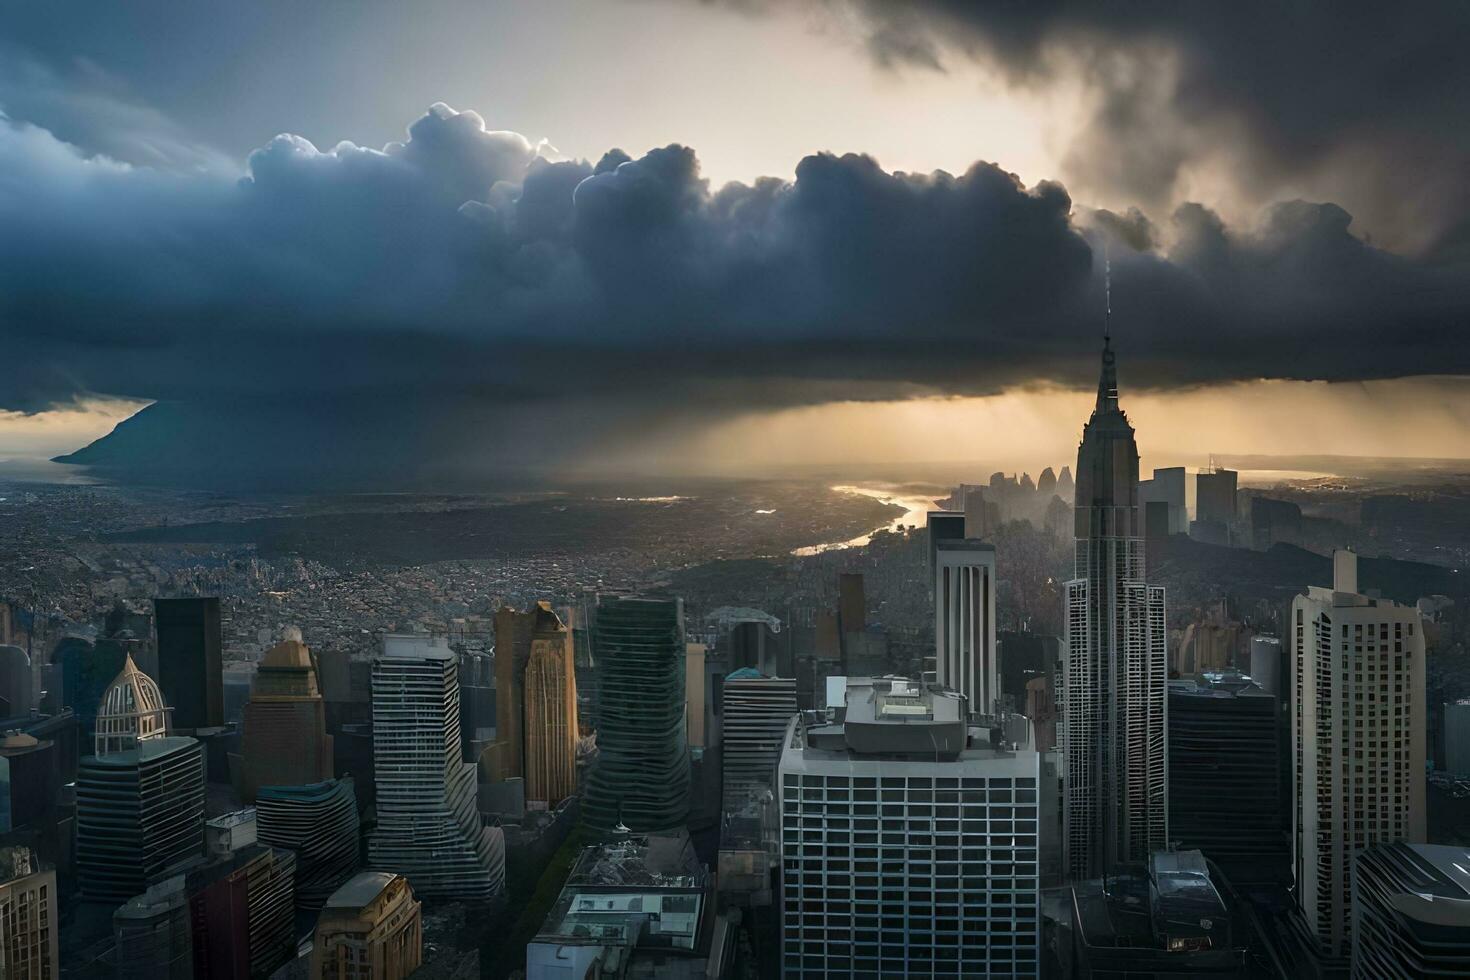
{"points": [[1167, 918], [131, 711], [635, 897]]}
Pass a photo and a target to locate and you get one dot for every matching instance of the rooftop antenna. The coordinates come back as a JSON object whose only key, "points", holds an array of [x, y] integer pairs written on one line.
{"points": [[1107, 295]]}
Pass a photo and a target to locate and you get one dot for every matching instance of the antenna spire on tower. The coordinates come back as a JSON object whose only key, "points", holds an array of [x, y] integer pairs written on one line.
{"points": [[1107, 294]]}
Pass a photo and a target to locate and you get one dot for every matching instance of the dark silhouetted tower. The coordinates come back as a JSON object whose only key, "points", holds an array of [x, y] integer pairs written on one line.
{"points": [[189, 655]]}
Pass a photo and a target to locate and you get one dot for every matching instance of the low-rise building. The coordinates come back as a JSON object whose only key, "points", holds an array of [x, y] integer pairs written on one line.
{"points": [[371, 927]]}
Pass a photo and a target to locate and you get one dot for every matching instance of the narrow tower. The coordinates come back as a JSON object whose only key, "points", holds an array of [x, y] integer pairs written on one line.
{"points": [[1116, 683]]}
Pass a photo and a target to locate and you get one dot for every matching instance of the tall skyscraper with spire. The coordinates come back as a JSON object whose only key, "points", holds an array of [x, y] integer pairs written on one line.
{"points": [[1116, 678]]}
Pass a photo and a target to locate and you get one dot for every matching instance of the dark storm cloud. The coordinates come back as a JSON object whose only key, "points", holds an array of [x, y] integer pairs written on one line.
{"points": [[460, 264], [1356, 101]]}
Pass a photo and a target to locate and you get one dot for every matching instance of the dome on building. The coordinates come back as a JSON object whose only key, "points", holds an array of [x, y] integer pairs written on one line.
{"points": [[131, 711]]}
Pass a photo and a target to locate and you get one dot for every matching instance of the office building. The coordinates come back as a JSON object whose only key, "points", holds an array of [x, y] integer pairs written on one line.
{"points": [[1266, 666], [964, 621], [909, 843], [371, 927], [1357, 740], [1225, 796], [1173, 917], [1115, 807], [285, 741], [1411, 912], [29, 917], [319, 822], [476, 703], [1169, 487], [535, 704], [86, 672], [190, 646], [429, 828], [634, 907], [140, 797], [1215, 496], [17, 686], [641, 780], [154, 934], [241, 906], [30, 779], [756, 711], [1456, 738]]}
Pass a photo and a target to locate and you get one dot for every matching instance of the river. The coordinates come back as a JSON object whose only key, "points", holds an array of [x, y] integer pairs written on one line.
{"points": [[914, 509]]}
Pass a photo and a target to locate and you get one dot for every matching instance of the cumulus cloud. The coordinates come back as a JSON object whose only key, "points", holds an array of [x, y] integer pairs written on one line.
{"points": [[463, 267], [1245, 103]]}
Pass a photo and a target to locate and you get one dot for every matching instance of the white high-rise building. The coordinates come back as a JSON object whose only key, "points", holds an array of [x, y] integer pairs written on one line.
{"points": [[1357, 738], [1115, 676], [909, 840], [429, 828], [964, 621]]}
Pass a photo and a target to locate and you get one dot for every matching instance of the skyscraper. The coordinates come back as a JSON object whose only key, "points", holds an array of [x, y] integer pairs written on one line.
{"points": [[1225, 794], [319, 822], [756, 712], [1357, 738], [964, 621], [428, 826], [1116, 676], [535, 704], [909, 843], [189, 661], [285, 742], [140, 797], [642, 776]]}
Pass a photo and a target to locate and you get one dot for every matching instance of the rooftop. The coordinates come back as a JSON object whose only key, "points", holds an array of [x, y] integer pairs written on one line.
{"points": [[895, 717], [360, 890]]}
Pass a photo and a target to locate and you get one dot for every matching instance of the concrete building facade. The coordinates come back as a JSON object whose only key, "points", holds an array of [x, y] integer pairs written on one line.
{"points": [[909, 840], [1358, 736], [964, 621], [29, 917], [371, 927], [535, 704]]}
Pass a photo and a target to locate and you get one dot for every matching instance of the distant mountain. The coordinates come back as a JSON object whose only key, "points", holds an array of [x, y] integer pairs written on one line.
{"points": [[303, 445]]}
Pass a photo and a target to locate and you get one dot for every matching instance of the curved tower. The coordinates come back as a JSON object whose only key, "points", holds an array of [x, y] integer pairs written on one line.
{"points": [[1116, 681]]}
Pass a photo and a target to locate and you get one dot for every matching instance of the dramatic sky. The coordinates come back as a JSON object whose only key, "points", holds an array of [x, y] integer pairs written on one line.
{"points": [[689, 234]]}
